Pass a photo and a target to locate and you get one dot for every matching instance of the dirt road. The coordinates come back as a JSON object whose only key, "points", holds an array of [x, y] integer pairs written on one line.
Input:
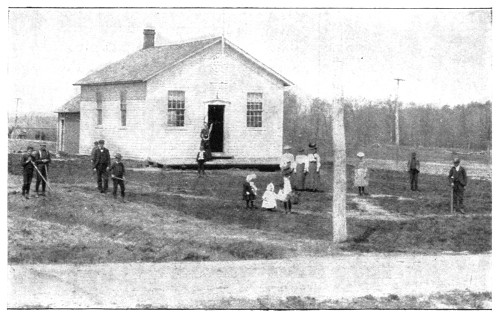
{"points": [[196, 285]]}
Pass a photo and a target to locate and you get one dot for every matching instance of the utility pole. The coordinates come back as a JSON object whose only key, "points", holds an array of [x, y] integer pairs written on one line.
{"points": [[396, 113], [396, 119], [17, 106]]}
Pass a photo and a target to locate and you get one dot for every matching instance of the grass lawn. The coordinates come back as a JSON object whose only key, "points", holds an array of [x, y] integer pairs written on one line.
{"points": [[173, 215]]}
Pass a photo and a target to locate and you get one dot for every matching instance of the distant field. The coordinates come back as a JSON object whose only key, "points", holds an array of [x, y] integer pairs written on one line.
{"points": [[173, 215]]}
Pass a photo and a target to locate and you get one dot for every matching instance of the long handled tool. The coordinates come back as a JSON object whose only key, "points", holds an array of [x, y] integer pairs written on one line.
{"points": [[451, 197], [46, 182]]}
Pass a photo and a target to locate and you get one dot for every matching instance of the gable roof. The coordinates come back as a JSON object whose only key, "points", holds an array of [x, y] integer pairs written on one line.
{"points": [[147, 63], [71, 106]]}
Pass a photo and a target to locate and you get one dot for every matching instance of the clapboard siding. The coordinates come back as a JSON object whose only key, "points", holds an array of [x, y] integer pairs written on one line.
{"points": [[197, 77], [147, 135]]}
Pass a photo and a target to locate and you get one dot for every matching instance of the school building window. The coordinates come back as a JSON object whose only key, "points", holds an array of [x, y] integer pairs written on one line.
{"points": [[254, 110], [123, 108], [176, 103], [98, 97]]}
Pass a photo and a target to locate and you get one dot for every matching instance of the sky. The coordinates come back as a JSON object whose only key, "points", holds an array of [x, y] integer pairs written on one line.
{"points": [[443, 55]]}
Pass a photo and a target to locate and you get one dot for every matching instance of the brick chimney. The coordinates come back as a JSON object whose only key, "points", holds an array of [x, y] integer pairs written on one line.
{"points": [[149, 38]]}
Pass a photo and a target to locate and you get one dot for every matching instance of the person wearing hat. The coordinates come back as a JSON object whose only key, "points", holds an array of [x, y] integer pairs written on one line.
{"points": [[458, 180], [361, 174], [301, 169], [413, 170], [102, 161], [117, 171], [287, 163], [42, 160], [27, 160], [314, 164]]}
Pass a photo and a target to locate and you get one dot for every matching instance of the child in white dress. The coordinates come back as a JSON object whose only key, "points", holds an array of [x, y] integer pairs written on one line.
{"points": [[269, 198]]}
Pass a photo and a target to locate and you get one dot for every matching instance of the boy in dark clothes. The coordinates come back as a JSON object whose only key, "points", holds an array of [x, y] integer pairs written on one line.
{"points": [[201, 159], [117, 171], [249, 191], [27, 163]]}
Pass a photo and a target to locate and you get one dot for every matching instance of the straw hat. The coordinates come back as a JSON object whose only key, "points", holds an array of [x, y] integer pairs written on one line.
{"points": [[360, 155]]}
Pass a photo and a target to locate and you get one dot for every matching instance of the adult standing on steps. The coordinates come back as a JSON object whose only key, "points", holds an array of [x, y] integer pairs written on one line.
{"points": [[458, 180], [413, 170], [102, 161], [205, 141], [42, 160]]}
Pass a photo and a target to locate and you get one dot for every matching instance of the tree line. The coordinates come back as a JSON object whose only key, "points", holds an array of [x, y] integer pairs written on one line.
{"points": [[367, 123]]}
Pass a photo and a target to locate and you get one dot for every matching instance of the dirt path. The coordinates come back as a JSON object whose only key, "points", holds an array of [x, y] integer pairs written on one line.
{"points": [[195, 285]]}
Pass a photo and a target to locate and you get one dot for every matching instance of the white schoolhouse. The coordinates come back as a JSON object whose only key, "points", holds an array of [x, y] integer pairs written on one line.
{"points": [[152, 104]]}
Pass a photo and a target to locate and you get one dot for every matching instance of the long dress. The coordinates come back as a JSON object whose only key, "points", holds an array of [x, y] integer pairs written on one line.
{"points": [[361, 175], [301, 168], [269, 200], [205, 143]]}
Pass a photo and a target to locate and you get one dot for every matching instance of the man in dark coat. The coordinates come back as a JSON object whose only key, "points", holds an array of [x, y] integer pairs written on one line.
{"points": [[27, 161], [42, 160], [413, 170], [458, 180], [101, 162]]}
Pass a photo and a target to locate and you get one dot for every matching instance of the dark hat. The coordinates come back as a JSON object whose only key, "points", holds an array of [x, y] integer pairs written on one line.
{"points": [[96, 142], [101, 142], [43, 144], [301, 150], [413, 153], [312, 145], [119, 156], [29, 147]]}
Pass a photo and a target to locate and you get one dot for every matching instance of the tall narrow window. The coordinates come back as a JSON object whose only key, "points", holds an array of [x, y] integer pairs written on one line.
{"points": [[98, 97], [123, 107], [176, 103], [254, 110]]}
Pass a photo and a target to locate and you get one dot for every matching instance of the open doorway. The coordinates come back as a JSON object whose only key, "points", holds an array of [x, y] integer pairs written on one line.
{"points": [[216, 118]]}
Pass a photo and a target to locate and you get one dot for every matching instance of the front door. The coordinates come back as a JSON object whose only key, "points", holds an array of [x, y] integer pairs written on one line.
{"points": [[216, 119]]}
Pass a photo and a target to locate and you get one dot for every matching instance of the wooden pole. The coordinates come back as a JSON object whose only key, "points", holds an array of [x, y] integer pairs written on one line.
{"points": [[339, 174]]}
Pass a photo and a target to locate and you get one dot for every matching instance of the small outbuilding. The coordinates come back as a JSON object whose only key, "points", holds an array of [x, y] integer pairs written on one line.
{"points": [[68, 126]]}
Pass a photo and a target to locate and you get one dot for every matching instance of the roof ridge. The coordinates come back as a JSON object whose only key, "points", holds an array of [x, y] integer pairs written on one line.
{"points": [[188, 42]]}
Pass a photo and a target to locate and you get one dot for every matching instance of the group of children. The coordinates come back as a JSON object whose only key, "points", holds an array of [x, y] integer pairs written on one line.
{"points": [[269, 197], [303, 166]]}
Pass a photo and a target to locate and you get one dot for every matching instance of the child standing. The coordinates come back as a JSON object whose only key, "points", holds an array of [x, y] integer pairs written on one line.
{"points": [[201, 159], [117, 171], [249, 190], [361, 174], [287, 191], [269, 198], [27, 163]]}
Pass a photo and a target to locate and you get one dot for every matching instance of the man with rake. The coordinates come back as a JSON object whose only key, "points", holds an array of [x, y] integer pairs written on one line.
{"points": [[42, 161]]}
